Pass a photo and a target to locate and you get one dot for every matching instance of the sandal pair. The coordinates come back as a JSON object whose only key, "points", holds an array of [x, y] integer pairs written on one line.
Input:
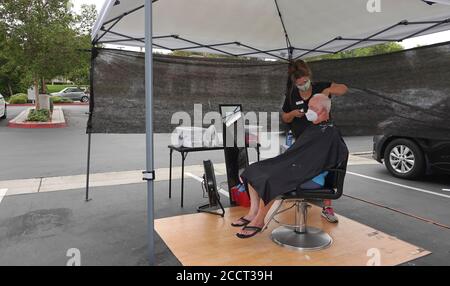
{"points": [[244, 220], [255, 228]]}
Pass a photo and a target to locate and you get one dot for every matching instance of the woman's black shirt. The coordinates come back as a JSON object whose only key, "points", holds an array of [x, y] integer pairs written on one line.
{"points": [[298, 125]]}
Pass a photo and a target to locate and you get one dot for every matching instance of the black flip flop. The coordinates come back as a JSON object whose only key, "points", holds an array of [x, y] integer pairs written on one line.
{"points": [[255, 228], [246, 221]]}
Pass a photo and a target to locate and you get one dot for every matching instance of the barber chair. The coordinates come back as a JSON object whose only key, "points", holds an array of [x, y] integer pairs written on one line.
{"points": [[300, 236]]}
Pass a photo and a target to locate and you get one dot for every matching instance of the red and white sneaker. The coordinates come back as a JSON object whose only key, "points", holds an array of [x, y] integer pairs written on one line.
{"points": [[328, 214]]}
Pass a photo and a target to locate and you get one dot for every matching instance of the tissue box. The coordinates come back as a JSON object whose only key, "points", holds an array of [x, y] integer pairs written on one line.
{"points": [[195, 137], [188, 136]]}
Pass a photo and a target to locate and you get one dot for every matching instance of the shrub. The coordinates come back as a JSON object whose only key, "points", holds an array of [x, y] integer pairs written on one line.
{"points": [[19, 98], [59, 99], [21, 94], [42, 115]]}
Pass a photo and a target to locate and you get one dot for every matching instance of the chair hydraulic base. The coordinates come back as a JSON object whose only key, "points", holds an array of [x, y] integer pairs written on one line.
{"points": [[311, 239], [299, 236]]}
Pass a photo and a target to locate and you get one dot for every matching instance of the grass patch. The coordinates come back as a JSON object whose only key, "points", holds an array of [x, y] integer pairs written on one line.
{"points": [[56, 87], [19, 98], [42, 115], [59, 99]]}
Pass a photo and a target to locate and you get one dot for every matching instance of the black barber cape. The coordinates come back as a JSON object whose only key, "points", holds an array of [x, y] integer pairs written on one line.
{"points": [[319, 147]]}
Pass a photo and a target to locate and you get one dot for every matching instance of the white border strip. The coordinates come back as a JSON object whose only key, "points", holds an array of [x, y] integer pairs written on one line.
{"points": [[3, 194], [400, 185]]}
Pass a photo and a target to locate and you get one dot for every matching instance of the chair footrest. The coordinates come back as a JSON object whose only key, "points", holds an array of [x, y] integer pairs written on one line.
{"points": [[310, 194]]}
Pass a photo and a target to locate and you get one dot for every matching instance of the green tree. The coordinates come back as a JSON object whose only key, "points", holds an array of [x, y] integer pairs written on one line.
{"points": [[84, 23], [5, 75], [86, 19], [10, 70], [362, 52], [210, 55], [42, 38]]}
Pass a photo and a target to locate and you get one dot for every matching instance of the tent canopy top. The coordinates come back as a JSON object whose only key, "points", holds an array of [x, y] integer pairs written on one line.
{"points": [[270, 28]]}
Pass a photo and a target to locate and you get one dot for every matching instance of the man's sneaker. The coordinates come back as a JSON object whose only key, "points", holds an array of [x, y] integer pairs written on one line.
{"points": [[328, 214]]}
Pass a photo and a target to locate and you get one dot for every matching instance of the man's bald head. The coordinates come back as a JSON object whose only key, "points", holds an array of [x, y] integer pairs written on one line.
{"points": [[321, 104]]}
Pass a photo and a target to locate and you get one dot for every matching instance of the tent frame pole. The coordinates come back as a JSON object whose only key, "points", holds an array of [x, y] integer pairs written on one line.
{"points": [[370, 38], [149, 131], [286, 35], [88, 168], [202, 46], [124, 14], [109, 29], [89, 124], [291, 54], [127, 38]]}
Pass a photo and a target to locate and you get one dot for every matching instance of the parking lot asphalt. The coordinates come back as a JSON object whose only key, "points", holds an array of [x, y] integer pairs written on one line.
{"points": [[38, 229]]}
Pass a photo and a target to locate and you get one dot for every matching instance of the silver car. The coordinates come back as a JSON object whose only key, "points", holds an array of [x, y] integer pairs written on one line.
{"points": [[73, 93], [2, 107]]}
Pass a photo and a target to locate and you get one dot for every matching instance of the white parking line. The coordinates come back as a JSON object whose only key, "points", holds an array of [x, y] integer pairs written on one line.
{"points": [[446, 190], [2, 194], [197, 178], [400, 185], [362, 153]]}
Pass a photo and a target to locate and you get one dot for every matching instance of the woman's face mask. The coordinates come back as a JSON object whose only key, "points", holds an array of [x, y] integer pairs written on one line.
{"points": [[304, 87]]}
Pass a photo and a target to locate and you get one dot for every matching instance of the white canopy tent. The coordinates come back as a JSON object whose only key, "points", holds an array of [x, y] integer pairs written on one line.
{"points": [[280, 29], [267, 28]]}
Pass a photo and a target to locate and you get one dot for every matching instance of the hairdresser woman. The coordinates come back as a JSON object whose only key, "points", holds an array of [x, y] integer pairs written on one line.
{"points": [[296, 105]]}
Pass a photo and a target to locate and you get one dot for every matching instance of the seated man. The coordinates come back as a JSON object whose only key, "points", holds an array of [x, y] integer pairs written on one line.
{"points": [[320, 147], [316, 183]]}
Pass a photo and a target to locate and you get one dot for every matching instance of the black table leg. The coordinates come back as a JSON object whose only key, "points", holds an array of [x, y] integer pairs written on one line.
{"points": [[257, 151], [182, 178], [170, 175]]}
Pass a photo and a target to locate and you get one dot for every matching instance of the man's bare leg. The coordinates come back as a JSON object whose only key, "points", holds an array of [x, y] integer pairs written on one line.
{"points": [[254, 205], [258, 221]]}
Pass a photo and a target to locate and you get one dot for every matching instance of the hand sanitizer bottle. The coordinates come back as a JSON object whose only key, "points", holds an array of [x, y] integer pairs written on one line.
{"points": [[289, 138]]}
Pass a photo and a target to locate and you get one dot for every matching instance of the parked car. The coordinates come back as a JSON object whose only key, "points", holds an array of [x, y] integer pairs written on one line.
{"points": [[2, 107], [73, 93], [410, 157]]}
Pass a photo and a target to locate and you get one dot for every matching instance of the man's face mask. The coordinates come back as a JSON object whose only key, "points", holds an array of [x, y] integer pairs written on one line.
{"points": [[304, 87], [311, 115]]}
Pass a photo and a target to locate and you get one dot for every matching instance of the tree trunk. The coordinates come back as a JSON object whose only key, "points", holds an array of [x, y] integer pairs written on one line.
{"points": [[36, 94], [44, 86], [10, 90]]}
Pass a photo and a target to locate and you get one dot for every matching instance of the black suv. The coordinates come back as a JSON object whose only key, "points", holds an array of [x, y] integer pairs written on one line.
{"points": [[410, 157]]}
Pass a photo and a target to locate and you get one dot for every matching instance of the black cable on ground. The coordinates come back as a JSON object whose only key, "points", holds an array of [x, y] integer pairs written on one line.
{"points": [[400, 211]]}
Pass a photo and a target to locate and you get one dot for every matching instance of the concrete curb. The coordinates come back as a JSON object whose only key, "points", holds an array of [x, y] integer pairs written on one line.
{"points": [[56, 104], [42, 125], [58, 121]]}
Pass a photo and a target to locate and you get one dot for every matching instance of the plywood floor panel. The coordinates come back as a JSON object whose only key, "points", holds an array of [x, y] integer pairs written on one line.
{"points": [[205, 239]]}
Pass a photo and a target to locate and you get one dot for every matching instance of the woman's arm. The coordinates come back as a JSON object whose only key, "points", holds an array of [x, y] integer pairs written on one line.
{"points": [[336, 89], [288, 117]]}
